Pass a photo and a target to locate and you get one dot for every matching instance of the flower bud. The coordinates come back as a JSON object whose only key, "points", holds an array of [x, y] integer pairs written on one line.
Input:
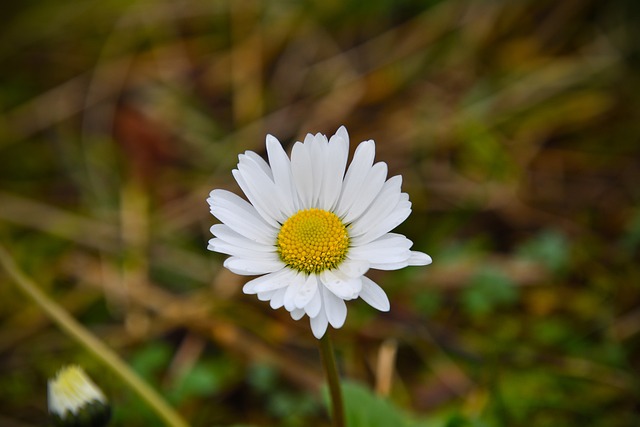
{"points": [[75, 400]]}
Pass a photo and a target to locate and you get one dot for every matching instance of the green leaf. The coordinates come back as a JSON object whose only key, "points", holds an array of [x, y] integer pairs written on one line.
{"points": [[365, 409], [488, 289], [550, 247], [201, 380], [150, 359]]}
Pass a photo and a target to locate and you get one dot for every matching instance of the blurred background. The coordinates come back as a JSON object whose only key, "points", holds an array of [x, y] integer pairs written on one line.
{"points": [[514, 125]]}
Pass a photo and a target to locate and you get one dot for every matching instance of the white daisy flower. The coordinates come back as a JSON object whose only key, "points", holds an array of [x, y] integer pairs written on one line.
{"points": [[75, 400], [310, 230]]}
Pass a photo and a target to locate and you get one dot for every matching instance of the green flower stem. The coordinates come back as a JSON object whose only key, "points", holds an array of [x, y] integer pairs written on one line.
{"points": [[329, 362], [78, 332]]}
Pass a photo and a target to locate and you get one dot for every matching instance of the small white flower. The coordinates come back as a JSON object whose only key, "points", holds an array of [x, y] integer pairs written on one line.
{"points": [[311, 231], [75, 400]]}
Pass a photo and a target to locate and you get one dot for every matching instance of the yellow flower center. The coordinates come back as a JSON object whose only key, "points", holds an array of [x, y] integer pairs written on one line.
{"points": [[313, 240]]}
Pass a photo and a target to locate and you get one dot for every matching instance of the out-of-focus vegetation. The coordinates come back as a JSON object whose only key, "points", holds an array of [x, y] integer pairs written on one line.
{"points": [[514, 124]]}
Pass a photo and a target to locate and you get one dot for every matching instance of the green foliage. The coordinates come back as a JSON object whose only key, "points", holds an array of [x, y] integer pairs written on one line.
{"points": [[289, 408], [549, 247], [149, 361], [202, 381], [631, 238], [551, 331], [488, 290], [481, 155], [364, 409], [428, 302]]}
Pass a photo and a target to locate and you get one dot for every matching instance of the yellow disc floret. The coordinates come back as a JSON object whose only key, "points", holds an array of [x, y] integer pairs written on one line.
{"points": [[313, 240]]}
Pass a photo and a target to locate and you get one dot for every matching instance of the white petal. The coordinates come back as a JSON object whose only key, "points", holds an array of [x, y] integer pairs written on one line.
{"points": [[225, 233], [342, 133], [397, 217], [266, 296], [260, 162], [317, 150], [269, 282], [306, 292], [382, 206], [241, 217], [368, 192], [218, 245], [389, 248], [302, 173], [297, 314], [353, 267], [277, 300], [335, 308], [260, 191], [373, 295], [337, 154], [319, 324], [313, 307], [257, 165], [379, 256], [355, 176], [281, 169], [292, 290], [252, 227], [340, 285], [389, 265], [250, 267], [419, 258], [390, 241]]}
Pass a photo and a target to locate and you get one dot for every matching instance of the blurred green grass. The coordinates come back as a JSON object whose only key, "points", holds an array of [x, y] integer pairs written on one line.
{"points": [[515, 127]]}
